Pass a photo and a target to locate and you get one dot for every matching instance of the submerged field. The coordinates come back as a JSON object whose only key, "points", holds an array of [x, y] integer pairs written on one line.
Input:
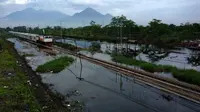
{"points": [[56, 65], [15, 92], [189, 76]]}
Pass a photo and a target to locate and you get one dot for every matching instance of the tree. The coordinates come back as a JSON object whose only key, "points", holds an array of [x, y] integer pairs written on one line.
{"points": [[95, 46], [20, 29], [155, 32], [95, 29], [128, 27], [8, 29], [92, 23]]}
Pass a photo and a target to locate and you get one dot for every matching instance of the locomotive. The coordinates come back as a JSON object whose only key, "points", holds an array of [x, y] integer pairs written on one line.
{"points": [[46, 40]]}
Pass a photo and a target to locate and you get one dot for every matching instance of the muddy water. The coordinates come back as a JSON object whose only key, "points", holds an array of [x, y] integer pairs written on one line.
{"points": [[103, 90]]}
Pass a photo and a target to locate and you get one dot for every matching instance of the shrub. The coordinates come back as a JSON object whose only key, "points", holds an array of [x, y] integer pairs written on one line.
{"points": [[147, 67], [95, 46]]}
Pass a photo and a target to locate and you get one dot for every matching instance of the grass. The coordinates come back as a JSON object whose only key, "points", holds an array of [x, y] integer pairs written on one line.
{"points": [[15, 93], [56, 65], [189, 76], [28, 55]]}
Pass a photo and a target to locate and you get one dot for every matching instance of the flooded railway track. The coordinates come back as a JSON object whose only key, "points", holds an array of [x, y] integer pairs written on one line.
{"points": [[181, 89]]}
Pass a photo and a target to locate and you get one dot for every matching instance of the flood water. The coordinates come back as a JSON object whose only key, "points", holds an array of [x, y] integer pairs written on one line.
{"points": [[104, 90], [107, 91], [177, 58]]}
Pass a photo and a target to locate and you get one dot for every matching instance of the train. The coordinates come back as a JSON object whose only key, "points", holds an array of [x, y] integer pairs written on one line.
{"points": [[43, 39]]}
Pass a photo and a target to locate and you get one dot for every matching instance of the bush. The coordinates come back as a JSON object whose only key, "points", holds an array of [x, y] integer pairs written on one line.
{"points": [[56, 65], [148, 67], [95, 46], [168, 68], [190, 76]]}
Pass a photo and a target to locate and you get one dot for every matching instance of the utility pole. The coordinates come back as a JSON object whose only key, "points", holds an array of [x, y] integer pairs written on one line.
{"points": [[0, 28], [78, 55], [121, 35], [61, 31], [83, 34], [38, 30], [121, 25]]}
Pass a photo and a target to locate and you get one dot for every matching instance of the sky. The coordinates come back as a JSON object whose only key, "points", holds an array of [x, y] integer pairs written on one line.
{"points": [[140, 11]]}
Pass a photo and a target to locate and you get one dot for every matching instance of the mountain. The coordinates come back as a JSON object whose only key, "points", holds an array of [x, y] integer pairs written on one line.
{"points": [[108, 16], [32, 17], [86, 16], [88, 13], [35, 15]]}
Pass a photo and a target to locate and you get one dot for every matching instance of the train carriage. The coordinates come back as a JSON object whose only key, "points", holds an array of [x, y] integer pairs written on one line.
{"points": [[46, 40]]}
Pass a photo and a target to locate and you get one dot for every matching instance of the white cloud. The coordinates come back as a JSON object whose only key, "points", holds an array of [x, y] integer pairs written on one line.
{"points": [[139, 10], [22, 1], [87, 2], [7, 2]]}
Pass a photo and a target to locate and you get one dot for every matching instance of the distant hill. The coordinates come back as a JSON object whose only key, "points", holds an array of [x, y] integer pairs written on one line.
{"points": [[84, 18], [88, 13], [32, 17]]}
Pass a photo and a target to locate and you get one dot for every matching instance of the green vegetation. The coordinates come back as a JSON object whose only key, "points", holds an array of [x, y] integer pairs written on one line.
{"points": [[95, 47], [15, 93], [28, 55], [189, 76], [156, 32], [4, 34], [56, 65]]}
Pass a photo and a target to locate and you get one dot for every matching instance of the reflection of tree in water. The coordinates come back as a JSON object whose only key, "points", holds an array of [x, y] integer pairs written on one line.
{"points": [[194, 58], [128, 52], [154, 53], [121, 84]]}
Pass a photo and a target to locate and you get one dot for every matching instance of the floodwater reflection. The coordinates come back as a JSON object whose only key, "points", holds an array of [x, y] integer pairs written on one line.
{"points": [[194, 58]]}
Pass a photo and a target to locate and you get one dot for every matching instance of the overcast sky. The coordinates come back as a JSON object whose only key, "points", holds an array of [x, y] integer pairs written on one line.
{"points": [[140, 11]]}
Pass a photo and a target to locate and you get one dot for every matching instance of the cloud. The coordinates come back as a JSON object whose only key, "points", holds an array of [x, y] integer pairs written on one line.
{"points": [[141, 11], [7, 2], [87, 2]]}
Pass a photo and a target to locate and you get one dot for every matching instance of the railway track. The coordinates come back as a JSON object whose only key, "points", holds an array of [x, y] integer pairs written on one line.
{"points": [[184, 90]]}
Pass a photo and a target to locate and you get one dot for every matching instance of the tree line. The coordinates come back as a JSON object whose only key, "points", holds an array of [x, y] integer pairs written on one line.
{"points": [[156, 32]]}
